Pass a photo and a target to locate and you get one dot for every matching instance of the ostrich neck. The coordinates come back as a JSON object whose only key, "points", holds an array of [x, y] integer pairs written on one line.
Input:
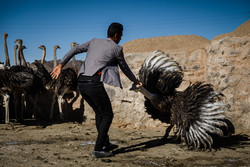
{"points": [[19, 55], [154, 99], [44, 55], [73, 58], [55, 64], [149, 95], [74, 61], [15, 49], [7, 59], [24, 61]]}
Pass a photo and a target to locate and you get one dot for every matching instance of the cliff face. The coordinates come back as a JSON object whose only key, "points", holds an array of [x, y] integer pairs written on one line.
{"points": [[222, 62]]}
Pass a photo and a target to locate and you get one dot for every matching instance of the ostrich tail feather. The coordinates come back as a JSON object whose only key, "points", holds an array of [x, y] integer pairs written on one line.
{"points": [[198, 113]]}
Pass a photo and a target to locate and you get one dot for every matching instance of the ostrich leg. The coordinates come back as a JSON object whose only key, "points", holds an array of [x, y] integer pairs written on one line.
{"points": [[60, 101], [6, 99], [16, 104], [52, 107], [167, 132], [23, 104], [37, 108]]}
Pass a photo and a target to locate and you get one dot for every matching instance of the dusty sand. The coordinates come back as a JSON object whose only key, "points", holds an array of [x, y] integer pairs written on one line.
{"points": [[71, 144]]}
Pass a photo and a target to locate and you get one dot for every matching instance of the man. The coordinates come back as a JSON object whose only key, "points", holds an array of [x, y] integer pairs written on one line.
{"points": [[103, 56]]}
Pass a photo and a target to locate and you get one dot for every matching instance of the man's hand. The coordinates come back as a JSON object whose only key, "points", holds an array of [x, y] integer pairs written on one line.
{"points": [[138, 83], [136, 86], [56, 72]]}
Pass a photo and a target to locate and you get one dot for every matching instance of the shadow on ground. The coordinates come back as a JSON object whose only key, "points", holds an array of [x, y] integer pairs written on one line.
{"points": [[233, 142]]}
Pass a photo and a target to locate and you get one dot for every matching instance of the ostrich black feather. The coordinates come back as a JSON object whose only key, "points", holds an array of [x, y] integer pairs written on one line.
{"points": [[12, 80]]}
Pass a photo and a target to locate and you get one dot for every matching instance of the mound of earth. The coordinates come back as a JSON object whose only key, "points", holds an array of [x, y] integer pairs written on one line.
{"points": [[166, 43]]}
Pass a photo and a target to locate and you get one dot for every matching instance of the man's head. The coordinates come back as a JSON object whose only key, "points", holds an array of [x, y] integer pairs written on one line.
{"points": [[115, 32]]}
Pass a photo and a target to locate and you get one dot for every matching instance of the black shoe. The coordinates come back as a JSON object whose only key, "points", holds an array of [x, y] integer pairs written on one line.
{"points": [[101, 154], [110, 147]]}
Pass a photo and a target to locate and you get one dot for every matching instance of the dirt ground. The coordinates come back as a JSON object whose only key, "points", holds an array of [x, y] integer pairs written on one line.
{"points": [[33, 143]]}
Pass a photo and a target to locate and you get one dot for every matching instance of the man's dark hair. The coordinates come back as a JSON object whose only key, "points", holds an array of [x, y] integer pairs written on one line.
{"points": [[114, 28]]}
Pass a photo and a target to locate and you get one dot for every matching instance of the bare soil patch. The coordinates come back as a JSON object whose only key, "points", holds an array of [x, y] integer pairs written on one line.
{"points": [[35, 143]]}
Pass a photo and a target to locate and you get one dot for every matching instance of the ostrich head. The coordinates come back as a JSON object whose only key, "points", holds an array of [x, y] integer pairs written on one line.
{"points": [[73, 44], [5, 35], [57, 47], [42, 47], [19, 42]]}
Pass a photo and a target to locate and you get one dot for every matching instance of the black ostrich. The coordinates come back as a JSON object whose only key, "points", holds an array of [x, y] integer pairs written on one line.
{"points": [[16, 83], [21, 72], [67, 81], [197, 112]]}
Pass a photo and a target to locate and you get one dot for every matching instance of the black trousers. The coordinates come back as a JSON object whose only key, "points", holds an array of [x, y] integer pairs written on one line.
{"points": [[94, 93]]}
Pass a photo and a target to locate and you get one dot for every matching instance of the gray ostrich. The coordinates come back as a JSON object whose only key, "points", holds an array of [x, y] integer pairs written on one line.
{"points": [[197, 112]]}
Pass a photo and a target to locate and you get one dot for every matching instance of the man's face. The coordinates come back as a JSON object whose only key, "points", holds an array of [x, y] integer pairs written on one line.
{"points": [[118, 37]]}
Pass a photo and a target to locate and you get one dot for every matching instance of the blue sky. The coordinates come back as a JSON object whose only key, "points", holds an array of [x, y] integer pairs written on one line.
{"points": [[60, 22]]}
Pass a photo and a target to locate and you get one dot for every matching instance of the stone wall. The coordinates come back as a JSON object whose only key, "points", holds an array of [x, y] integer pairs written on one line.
{"points": [[228, 68], [225, 63]]}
